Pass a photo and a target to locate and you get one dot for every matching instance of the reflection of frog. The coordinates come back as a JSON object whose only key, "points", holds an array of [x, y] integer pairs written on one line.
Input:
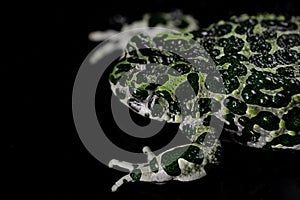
{"points": [[244, 76]]}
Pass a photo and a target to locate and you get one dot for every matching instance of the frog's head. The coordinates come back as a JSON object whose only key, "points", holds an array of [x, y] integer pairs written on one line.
{"points": [[146, 89], [152, 76]]}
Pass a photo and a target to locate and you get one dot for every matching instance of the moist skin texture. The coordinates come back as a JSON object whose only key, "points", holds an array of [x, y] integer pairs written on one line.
{"points": [[242, 73]]}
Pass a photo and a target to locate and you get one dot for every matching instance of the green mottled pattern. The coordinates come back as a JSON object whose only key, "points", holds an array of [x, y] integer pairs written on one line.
{"points": [[257, 58], [246, 73]]}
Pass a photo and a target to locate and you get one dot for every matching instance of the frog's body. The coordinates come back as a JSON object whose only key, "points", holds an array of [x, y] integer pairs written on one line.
{"points": [[246, 79]]}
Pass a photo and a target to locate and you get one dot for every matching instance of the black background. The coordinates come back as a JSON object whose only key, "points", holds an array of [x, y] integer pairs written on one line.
{"points": [[45, 44]]}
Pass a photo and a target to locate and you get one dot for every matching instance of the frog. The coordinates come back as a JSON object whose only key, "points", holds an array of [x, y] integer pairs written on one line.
{"points": [[237, 79]]}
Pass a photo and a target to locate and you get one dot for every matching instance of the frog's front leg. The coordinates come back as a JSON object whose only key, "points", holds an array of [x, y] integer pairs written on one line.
{"points": [[146, 172], [183, 163]]}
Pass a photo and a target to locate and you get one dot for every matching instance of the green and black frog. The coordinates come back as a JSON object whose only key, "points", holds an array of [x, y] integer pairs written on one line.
{"points": [[237, 79]]}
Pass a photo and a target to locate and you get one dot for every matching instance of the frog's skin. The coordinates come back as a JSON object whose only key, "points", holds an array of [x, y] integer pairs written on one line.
{"points": [[258, 58]]}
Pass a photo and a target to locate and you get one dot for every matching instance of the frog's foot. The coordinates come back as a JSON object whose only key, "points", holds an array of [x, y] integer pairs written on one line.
{"points": [[136, 170], [183, 163], [125, 179]]}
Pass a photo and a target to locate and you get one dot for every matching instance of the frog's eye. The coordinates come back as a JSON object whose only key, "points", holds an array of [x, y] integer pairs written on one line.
{"points": [[140, 94], [152, 101], [173, 105], [139, 99], [149, 102], [162, 105]]}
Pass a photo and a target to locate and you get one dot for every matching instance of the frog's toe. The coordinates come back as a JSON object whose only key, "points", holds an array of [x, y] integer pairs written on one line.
{"points": [[123, 164], [125, 179], [149, 153]]}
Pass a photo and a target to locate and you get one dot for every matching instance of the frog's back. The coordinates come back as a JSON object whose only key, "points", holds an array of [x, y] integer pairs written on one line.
{"points": [[243, 74], [258, 58], [255, 92]]}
